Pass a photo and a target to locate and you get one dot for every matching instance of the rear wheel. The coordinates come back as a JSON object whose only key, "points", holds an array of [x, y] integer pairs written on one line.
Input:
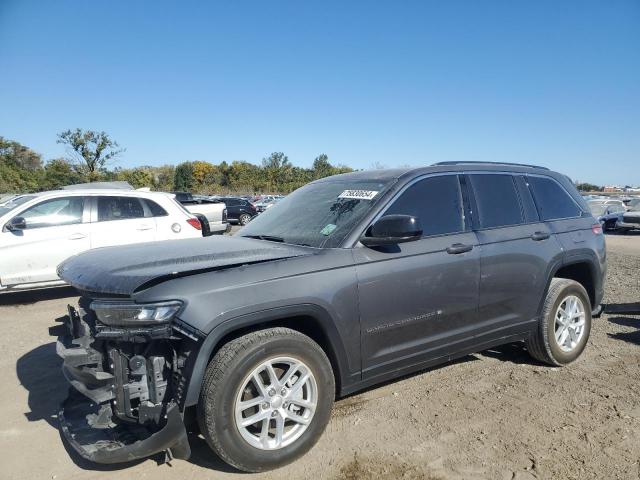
{"points": [[564, 325], [244, 218], [266, 399]]}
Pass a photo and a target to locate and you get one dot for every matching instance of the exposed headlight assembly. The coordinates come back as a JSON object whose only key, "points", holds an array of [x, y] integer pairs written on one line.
{"points": [[134, 315]]}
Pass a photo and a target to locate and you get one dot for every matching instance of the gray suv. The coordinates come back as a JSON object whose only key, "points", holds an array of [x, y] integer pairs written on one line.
{"points": [[350, 281]]}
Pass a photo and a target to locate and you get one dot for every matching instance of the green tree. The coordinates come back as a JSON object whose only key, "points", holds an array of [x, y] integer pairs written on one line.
{"points": [[58, 173], [20, 167], [90, 150], [137, 177], [183, 177], [321, 166], [277, 169], [588, 187], [244, 177], [163, 177]]}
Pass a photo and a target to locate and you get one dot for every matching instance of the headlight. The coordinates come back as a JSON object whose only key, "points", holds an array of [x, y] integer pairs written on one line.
{"points": [[132, 315]]}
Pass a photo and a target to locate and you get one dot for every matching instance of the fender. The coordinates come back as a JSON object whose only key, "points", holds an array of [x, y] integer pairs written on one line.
{"points": [[344, 377], [584, 256]]}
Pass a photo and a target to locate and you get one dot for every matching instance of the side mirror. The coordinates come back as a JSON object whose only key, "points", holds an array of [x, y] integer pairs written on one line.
{"points": [[16, 223], [392, 229]]}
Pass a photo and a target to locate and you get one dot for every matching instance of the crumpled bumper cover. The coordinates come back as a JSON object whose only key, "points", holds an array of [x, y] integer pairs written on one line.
{"points": [[119, 443], [89, 417]]}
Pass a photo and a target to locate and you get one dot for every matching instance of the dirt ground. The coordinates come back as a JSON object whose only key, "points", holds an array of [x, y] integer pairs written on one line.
{"points": [[495, 415]]}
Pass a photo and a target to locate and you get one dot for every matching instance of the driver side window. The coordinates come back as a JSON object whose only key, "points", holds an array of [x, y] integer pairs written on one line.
{"points": [[436, 201], [54, 212]]}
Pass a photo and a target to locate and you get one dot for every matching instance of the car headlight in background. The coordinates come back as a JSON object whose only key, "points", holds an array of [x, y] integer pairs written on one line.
{"points": [[132, 315]]}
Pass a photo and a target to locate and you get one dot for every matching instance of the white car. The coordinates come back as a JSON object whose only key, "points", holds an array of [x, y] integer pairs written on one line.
{"points": [[41, 230]]}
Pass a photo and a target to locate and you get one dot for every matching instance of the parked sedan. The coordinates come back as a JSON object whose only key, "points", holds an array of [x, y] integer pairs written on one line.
{"points": [[239, 210], [608, 214], [40, 231], [629, 221]]}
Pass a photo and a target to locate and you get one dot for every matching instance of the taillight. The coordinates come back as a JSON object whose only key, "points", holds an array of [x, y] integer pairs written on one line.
{"points": [[224, 215], [596, 228], [195, 223]]}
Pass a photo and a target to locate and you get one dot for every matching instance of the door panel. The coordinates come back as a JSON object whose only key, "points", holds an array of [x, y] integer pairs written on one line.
{"points": [[122, 232], [416, 301], [514, 267], [419, 300], [517, 250], [121, 221], [55, 231]]}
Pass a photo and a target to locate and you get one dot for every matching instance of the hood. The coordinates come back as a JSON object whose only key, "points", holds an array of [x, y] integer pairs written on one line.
{"points": [[124, 270]]}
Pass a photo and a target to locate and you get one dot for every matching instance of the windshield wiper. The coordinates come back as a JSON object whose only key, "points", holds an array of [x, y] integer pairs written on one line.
{"points": [[270, 238]]}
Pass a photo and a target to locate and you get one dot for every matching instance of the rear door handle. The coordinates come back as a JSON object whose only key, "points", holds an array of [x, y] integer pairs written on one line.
{"points": [[537, 236], [458, 248], [77, 236]]}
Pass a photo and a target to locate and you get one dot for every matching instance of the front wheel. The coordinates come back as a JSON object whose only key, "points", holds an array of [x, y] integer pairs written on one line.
{"points": [[266, 399], [564, 325]]}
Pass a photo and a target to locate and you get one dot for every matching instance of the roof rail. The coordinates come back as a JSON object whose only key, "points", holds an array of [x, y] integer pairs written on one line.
{"points": [[490, 163]]}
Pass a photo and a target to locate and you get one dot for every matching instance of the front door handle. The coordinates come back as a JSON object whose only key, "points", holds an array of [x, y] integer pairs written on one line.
{"points": [[144, 227], [537, 236], [77, 236], [458, 248]]}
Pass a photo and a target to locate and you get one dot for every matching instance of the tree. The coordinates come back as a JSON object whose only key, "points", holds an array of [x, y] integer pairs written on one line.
{"points": [[20, 167], [183, 178], [58, 173], [245, 177], [163, 177], [276, 161], [90, 150], [137, 177], [321, 166], [588, 187], [276, 168]]}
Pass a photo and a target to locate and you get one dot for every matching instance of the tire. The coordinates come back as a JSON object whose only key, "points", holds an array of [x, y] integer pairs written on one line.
{"points": [[224, 385], [244, 218], [543, 344]]}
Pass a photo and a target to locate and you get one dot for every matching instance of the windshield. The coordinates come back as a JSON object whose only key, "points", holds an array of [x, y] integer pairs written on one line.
{"points": [[318, 214], [10, 205]]}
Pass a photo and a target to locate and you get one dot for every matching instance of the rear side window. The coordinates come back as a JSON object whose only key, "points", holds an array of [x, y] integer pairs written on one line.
{"points": [[155, 209], [552, 200], [497, 201], [54, 212], [231, 202], [119, 208], [436, 201]]}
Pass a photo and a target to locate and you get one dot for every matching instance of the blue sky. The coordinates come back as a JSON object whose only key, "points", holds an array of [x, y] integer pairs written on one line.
{"points": [[555, 83]]}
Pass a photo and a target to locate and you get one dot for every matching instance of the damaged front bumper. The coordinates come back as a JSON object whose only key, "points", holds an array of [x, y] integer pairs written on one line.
{"points": [[126, 397]]}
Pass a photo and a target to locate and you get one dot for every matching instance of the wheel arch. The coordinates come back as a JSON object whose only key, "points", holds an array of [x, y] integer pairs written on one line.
{"points": [[581, 269], [308, 319]]}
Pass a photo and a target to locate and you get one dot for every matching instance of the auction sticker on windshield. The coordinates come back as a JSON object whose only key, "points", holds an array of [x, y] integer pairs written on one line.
{"points": [[358, 194]]}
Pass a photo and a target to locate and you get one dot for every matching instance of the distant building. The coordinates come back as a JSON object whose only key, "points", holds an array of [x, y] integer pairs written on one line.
{"points": [[612, 189], [632, 189]]}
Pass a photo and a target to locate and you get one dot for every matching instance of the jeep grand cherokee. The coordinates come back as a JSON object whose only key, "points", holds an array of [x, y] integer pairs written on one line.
{"points": [[349, 281]]}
